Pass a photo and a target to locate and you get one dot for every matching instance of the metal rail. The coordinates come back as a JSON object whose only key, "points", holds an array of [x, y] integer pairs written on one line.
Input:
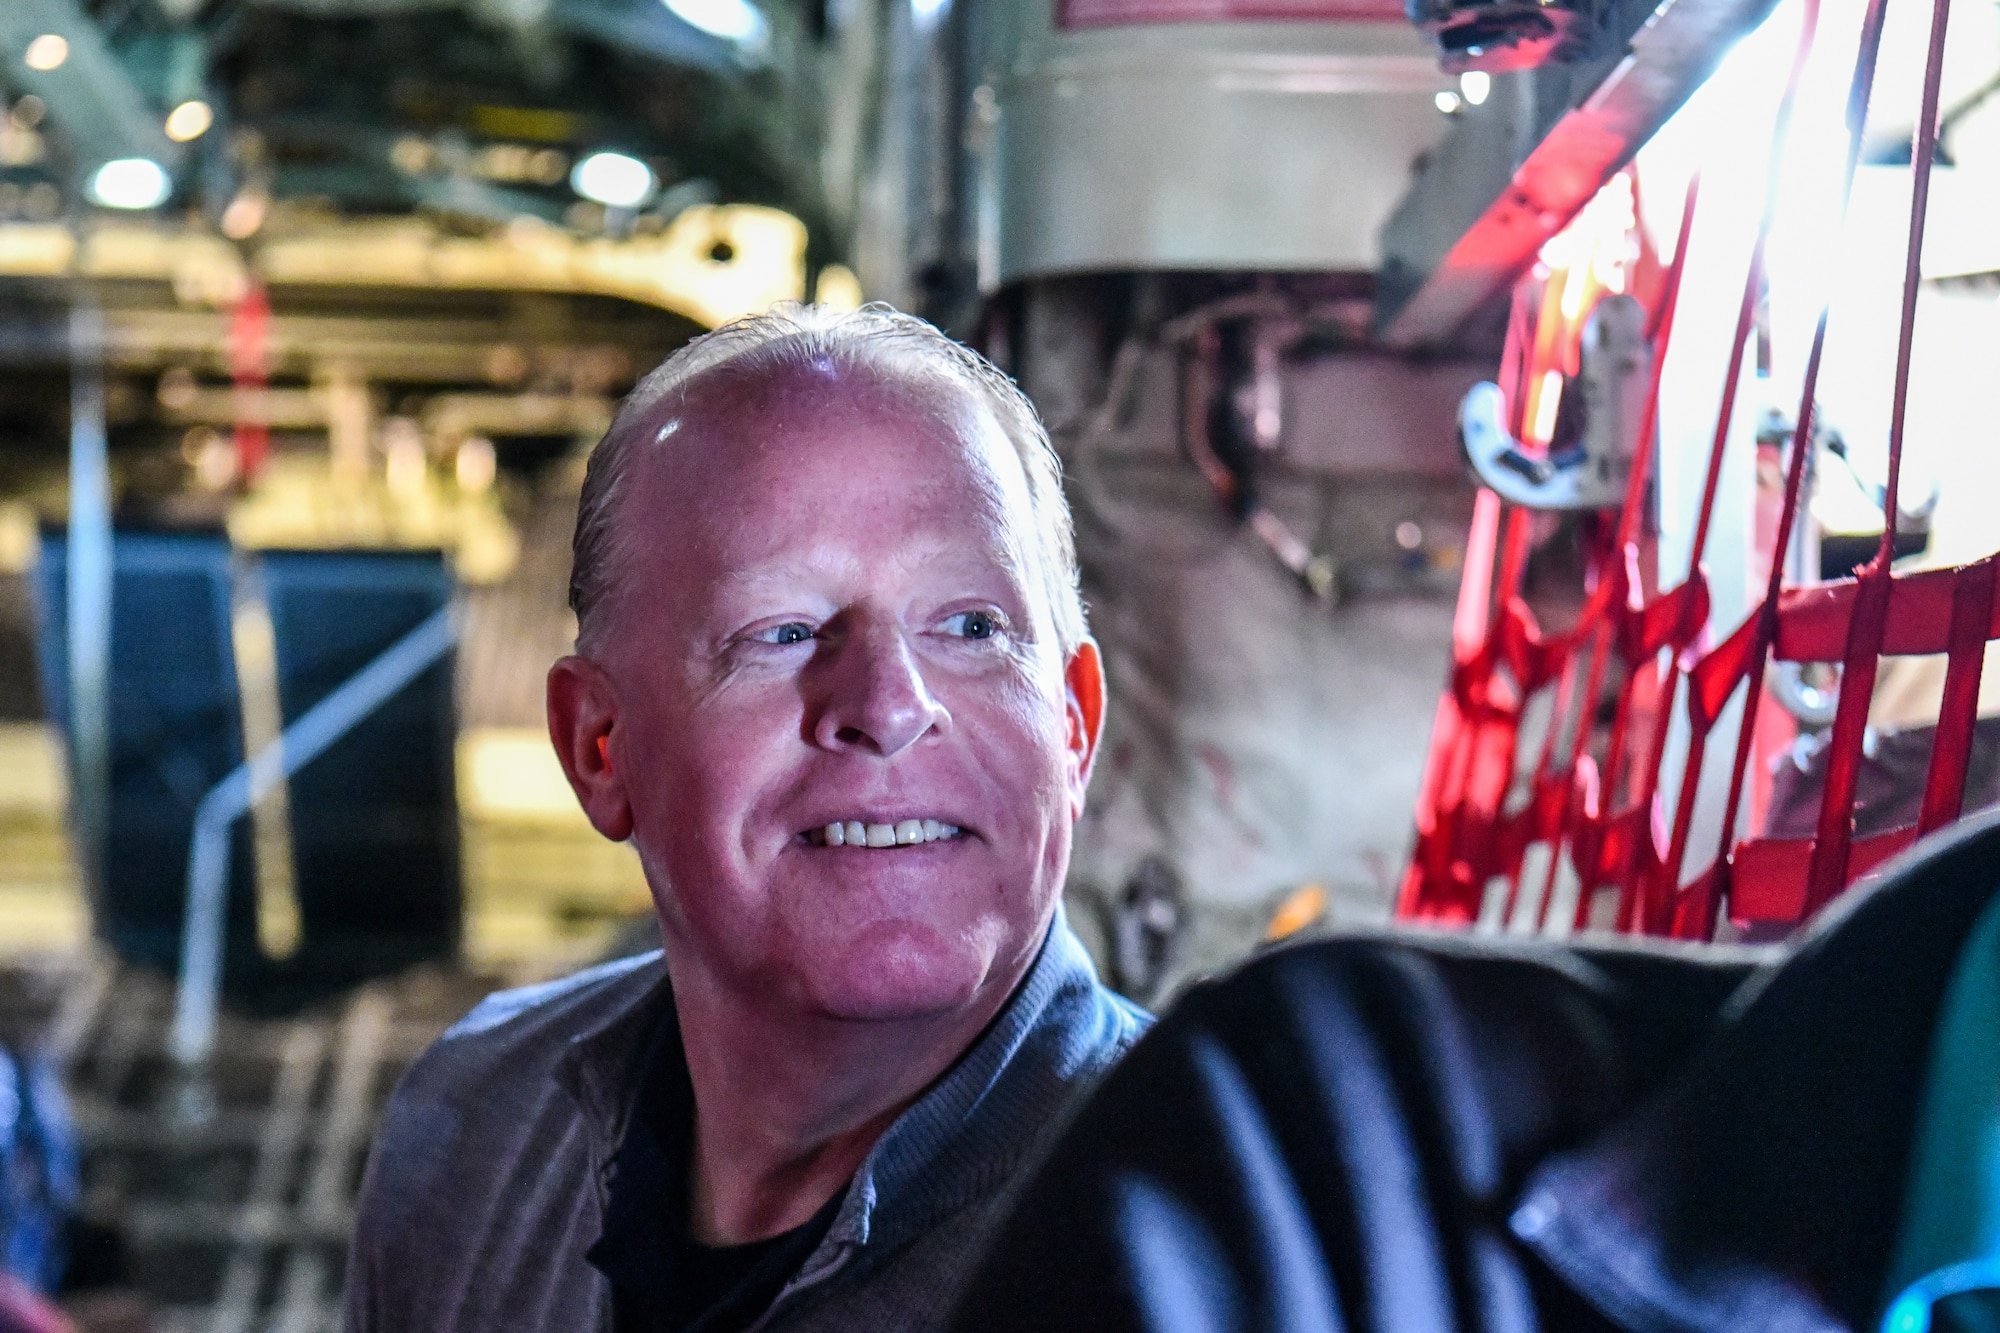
{"points": [[195, 1002], [1516, 170], [88, 595]]}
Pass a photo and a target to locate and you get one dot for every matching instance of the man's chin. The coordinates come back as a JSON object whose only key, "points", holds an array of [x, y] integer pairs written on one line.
{"points": [[891, 970]]}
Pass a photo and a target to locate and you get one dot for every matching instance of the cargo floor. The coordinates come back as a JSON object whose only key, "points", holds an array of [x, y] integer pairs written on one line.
{"points": [[221, 1204]]}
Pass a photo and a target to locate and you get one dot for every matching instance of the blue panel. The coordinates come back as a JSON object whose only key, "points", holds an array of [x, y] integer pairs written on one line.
{"points": [[175, 731], [374, 819]]}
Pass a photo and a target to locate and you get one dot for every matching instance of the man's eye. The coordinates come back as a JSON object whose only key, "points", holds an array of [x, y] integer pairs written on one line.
{"points": [[792, 631], [974, 624]]}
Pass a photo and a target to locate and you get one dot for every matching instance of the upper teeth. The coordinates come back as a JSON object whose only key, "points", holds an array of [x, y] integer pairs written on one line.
{"points": [[854, 833]]}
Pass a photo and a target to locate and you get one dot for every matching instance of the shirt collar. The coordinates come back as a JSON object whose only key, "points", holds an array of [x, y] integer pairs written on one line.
{"points": [[970, 1131], [959, 1140], [604, 1065], [645, 1175]]}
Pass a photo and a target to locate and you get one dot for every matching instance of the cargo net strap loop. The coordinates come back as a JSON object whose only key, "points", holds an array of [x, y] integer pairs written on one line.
{"points": [[1590, 800]]}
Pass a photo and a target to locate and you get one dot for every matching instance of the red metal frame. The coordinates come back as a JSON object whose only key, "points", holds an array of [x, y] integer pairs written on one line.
{"points": [[249, 345], [1611, 821]]}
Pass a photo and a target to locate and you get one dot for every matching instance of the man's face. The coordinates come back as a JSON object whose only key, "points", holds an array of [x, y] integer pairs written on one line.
{"points": [[831, 619]]}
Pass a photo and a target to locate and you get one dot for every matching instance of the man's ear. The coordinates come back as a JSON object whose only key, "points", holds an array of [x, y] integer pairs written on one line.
{"points": [[583, 712], [1083, 681]]}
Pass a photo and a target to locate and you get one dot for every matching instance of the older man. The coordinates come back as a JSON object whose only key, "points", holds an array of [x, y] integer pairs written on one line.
{"points": [[833, 683]]}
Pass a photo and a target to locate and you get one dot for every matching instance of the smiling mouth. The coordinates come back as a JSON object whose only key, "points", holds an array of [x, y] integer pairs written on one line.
{"points": [[903, 833]]}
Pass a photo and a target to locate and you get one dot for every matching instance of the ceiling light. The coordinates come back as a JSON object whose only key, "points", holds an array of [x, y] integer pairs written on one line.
{"points": [[189, 120], [1475, 84], [130, 182], [736, 21], [614, 180], [244, 215], [46, 52], [476, 465]]}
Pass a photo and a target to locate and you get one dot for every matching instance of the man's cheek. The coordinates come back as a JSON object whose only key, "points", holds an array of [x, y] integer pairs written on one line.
{"points": [[717, 753], [1021, 723]]}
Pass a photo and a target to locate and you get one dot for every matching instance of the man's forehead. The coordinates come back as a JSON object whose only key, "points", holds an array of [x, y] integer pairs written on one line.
{"points": [[731, 416], [748, 392], [738, 445], [949, 555]]}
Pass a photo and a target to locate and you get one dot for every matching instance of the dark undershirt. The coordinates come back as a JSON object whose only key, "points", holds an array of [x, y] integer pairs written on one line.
{"points": [[662, 1279], [722, 1288]]}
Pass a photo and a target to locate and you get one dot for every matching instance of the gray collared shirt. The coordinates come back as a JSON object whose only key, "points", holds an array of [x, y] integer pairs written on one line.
{"points": [[487, 1183]]}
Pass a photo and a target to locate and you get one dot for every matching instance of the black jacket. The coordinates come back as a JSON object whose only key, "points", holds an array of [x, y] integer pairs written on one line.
{"points": [[1412, 1133]]}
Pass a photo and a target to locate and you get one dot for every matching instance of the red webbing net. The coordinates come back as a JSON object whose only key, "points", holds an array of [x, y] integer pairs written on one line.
{"points": [[1592, 795]]}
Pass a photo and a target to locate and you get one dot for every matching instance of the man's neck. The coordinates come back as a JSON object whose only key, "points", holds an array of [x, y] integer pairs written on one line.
{"points": [[787, 1105]]}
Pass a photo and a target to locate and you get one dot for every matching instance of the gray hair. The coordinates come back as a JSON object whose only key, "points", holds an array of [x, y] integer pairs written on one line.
{"points": [[900, 348]]}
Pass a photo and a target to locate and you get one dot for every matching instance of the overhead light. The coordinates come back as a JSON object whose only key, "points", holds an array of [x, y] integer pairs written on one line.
{"points": [[476, 465], [736, 21], [1475, 84], [614, 180], [1447, 101], [130, 182], [245, 214], [413, 156], [189, 120], [46, 52]]}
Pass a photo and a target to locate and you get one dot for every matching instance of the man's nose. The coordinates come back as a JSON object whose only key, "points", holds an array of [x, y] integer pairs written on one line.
{"points": [[873, 694]]}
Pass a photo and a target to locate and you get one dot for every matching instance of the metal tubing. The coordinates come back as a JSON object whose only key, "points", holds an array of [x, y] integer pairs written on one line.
{"points": [[89, 593], [208, 857]]}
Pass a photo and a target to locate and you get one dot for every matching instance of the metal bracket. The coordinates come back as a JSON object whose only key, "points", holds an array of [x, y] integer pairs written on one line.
{"points": [[1609, 394]]}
